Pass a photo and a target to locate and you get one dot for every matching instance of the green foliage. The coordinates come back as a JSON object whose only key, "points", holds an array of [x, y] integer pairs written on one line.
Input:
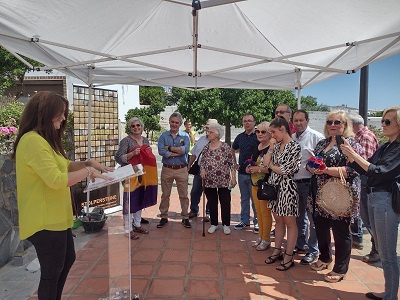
{"points": [[378, 133], [68, 138], [152, 94], [309, 103], [10, 108]]}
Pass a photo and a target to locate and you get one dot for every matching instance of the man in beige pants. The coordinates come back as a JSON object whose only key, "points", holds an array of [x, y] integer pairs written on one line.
{"points": [[173, 146]]}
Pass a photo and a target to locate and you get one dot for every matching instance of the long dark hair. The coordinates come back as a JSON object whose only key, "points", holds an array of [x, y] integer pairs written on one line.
{"points": [[280, 121], [38, 115]]}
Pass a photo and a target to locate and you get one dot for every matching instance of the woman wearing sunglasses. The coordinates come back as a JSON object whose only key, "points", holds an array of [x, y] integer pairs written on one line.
{"points": [[337, 123], [383, 170], [135, 149], [257, 172]]}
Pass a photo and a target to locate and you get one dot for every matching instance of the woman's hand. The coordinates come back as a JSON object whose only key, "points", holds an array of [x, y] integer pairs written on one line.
{"points": [[233, 182], [272, 143], [94, 173], [253, 169], [203, 174], [98, 166], [347, 150]]}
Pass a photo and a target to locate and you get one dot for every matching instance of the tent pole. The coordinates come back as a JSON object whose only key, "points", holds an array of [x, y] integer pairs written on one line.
{"points": [[196, 6], [363, 99], [298, 98], [298, 87], [90, 80]]}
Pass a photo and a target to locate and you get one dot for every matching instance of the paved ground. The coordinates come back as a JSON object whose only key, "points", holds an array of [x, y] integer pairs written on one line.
{"points": [[179, 263]]}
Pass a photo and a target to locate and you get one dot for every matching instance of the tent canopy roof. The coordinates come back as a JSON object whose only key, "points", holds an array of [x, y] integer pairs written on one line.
{"points": [[261, 44]]}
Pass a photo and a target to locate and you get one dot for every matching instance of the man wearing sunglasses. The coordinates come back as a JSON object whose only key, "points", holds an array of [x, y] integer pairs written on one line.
{"points": [[245, 142], [283, 110], [307, 139], [367, 139]]}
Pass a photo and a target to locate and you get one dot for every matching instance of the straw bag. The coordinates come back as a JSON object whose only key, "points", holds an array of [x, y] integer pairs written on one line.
{"points": [[335, 197]]}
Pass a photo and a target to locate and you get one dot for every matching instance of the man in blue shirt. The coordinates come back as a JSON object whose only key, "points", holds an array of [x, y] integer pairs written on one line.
{"points": [[245, 142], [173, 146]]}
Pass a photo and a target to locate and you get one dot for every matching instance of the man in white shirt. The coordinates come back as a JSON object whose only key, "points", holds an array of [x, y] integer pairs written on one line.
{"points": [[308, 139]]}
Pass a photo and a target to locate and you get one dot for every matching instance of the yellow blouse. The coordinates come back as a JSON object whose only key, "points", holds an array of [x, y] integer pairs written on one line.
{"points": [[44, 200]]}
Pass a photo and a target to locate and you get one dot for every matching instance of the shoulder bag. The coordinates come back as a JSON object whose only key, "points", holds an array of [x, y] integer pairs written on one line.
{"points": [[335, 198], [195, 168], [267, 191]]}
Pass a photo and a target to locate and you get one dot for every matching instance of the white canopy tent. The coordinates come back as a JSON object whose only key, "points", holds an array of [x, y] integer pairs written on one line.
{"points": [[260, 44]]}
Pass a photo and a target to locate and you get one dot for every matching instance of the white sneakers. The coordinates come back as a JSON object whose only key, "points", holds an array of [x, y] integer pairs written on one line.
{"points": [[227, 230], [213, 228]]}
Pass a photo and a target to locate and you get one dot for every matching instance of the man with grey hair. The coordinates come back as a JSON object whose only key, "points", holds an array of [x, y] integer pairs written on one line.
{"points": [[367, 139], [284, 111], [173, 146]]}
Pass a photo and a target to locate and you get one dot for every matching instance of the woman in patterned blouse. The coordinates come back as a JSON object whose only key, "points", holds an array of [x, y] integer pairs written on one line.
{"points": [[337, 123], [217, 169]]}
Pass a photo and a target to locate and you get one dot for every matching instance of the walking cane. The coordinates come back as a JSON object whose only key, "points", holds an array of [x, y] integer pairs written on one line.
{"points": [[204, 207]]}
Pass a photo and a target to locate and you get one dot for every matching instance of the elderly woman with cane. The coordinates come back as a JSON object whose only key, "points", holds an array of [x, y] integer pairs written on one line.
{"points": [[217, 169], [383, 172]]}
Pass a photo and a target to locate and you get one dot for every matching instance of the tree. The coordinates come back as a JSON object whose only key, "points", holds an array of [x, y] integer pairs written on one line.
{"points": [[151, 94], [229, 105], [310, 103]]}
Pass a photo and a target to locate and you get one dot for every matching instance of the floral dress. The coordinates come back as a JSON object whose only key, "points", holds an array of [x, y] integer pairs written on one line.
{"points": [[218, 164], [289, 161], [335, 158]]}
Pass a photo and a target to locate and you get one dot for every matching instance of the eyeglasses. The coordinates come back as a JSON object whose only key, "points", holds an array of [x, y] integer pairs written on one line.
{"points": [[137, 125], [248, 121], [280, 112], [261, 131], [334, 122], [386, 121]]}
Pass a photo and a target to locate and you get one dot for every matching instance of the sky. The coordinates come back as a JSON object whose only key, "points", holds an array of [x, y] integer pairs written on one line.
{"points": [[383, 90]]}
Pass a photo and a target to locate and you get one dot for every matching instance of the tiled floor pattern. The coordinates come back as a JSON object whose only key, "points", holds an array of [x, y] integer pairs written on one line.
{"points": [[179, 263]]}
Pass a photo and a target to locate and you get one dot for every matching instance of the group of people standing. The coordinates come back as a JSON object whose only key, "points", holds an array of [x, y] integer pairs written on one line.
{"points": [[277, 152]]}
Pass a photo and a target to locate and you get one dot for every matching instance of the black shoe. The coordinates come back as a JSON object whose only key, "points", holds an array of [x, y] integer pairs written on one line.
{"points": [[309, 258], [163, 221], [297, 250], [371, 295], [192, 215], [144, 221], [186, 223]]}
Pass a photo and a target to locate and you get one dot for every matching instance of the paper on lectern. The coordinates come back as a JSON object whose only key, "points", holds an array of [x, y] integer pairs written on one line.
{"points": [[117, 175]]}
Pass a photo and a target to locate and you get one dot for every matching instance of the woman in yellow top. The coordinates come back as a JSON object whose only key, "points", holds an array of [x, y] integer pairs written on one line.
{"points": [[44, 175]]}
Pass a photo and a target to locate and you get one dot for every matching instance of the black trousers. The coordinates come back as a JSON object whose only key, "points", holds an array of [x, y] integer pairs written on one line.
{"points": [[342, 238], [56, 253], [224, 196]]}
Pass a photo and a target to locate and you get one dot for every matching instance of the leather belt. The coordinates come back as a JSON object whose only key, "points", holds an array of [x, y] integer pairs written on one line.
{"points": [[375, 189], [305, 180], [175, 167]]}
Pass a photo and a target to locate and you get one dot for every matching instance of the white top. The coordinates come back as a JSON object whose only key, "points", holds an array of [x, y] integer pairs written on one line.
{"points": [[307, 140], [198, 147]]}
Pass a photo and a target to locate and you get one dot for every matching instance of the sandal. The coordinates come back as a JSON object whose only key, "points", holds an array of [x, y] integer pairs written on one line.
{"points": [[140, 229], [132, 235], [273, 257], [320, 265], [286, 265], [334, 277]]}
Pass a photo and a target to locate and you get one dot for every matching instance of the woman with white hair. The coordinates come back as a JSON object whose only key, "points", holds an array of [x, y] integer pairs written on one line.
{"points": [[217, 169]]}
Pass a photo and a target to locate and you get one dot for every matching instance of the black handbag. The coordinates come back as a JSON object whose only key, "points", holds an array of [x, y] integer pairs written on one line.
{"points": [[396, 197], [267, 191], [195, 168]]}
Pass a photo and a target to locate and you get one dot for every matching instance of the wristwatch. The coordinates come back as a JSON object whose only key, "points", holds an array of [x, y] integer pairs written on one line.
{"points": [[87, 162]]}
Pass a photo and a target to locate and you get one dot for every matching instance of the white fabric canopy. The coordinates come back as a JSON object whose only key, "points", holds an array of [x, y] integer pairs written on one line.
{"points": [[264, 44]]}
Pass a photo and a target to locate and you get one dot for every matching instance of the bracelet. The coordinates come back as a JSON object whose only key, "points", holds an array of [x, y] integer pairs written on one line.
{"points": [[89, 171], [87, 162], [169, 148]]}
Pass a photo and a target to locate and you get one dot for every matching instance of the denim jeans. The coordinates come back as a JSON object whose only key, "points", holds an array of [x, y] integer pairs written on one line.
{"points": [[384, 224], [364, 211], [307, 237], [245, 199], [195, 193]]}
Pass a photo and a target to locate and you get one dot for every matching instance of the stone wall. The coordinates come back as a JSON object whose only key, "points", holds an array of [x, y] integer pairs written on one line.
{"points": [[10, 244]]}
